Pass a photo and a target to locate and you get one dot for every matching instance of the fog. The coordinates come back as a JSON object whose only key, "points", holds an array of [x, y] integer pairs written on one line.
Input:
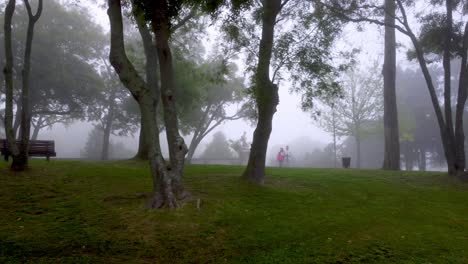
{"points": [[301, 131]]}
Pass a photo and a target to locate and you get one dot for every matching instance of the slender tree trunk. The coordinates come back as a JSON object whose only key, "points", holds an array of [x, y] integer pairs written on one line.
{"points": [[200, 133], [446, 141], [35, 134], [407, 161], [447, 138], [422, 159], [108, 128], [411, 160], [151, 75], [21, 161], [37, 127], [17, 121], [391, 131], [334, 135], [266, 96], [358, 152], [454, 166], [8, 72], [191, 150]]}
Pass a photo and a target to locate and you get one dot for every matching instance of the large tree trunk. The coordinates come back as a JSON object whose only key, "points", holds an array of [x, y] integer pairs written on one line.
{"points": [[164, 180], [391, 131], [461, 101], [8, 72], [177, 147], [266, 96], [143, 149], [255, 171]]}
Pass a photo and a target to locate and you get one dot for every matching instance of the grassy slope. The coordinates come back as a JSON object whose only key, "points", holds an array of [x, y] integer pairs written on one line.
{"points": [[81, 212]]}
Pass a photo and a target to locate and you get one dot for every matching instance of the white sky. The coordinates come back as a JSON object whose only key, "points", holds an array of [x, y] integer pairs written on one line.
{"points": [[289, 123]]}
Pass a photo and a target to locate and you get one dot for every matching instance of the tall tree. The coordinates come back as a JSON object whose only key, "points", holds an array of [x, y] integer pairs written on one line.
{"points": [[299, 49], [8, 72], [150, 56], [64, 96], [114, 111], [150, 71], [167, 178], [209, 89], [141, 91], [359, 111], [441, 36], [19, 154], [265, 93], [94, 145], [218, 148], [391, 132]]}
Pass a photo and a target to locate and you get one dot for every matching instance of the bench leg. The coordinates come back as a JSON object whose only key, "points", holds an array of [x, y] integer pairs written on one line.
{"points": [[5, 157], [48, 158]]}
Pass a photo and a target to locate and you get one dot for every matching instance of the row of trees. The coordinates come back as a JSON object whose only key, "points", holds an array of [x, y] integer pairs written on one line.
{"points": [[85, 87], [441, 39], [361, 127], [281, 39]]}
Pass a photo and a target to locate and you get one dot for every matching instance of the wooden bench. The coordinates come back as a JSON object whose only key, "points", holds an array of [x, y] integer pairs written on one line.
{"points": [[37, 148]]}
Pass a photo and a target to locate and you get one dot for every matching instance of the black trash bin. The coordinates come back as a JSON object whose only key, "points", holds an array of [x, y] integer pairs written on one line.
{"points": [[346, 161]]}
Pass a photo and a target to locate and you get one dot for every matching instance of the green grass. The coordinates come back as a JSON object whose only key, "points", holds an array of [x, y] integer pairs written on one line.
{"points": [[85, 212]]}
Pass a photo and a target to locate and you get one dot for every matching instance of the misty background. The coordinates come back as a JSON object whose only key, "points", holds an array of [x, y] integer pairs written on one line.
{"points": [[308, 138]]}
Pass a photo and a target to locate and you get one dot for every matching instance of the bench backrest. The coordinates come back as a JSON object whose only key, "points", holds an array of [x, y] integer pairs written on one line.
{"points": [[35, 146]]}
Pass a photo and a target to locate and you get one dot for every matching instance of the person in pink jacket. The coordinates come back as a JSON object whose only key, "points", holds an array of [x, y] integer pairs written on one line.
{"points": [[280, 157]]}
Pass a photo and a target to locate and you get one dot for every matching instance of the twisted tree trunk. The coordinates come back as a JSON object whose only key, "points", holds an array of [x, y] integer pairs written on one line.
{"points": [[266, 96], [167, 182], [177, 147]]}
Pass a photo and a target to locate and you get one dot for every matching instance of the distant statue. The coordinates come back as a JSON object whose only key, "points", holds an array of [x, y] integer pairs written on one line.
{"points": [[287, 156]]}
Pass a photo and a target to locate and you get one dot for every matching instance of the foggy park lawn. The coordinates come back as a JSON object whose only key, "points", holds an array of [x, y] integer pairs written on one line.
{"points": [[88, 212]]}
